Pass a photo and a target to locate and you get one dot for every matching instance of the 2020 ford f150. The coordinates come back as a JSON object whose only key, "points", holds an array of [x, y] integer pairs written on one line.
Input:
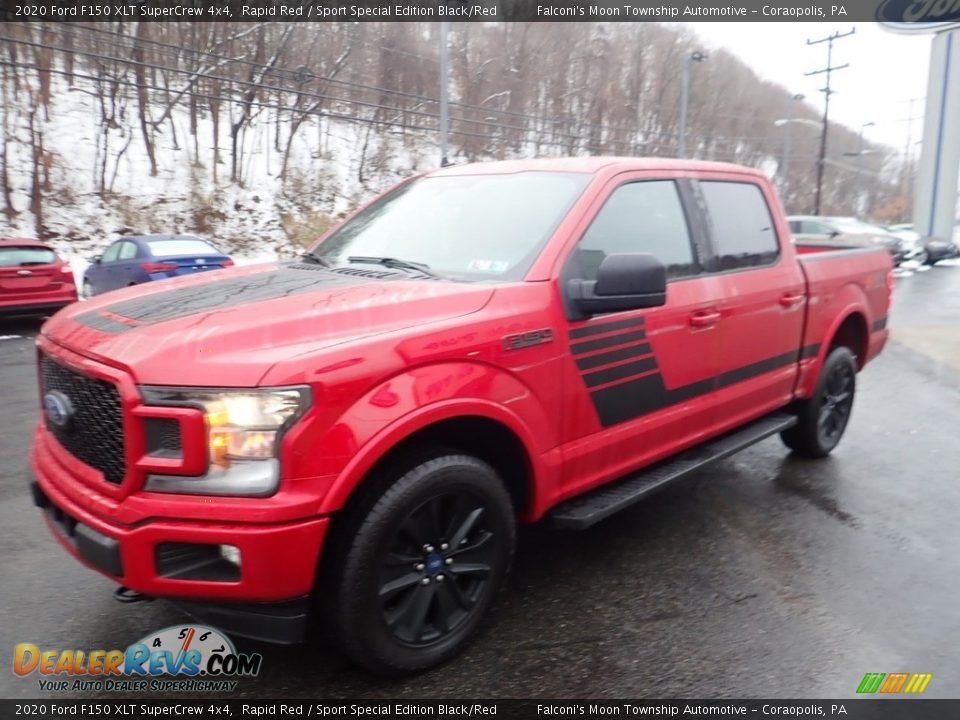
{"points": [[355, 434]]}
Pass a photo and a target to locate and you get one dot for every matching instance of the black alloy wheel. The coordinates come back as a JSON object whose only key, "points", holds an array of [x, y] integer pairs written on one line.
{"points": [[437, 567], [835, 403], [416, 564], [823, 418]]}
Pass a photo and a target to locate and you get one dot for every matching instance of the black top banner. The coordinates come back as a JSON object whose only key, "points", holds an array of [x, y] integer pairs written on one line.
{"points": [[916, 15], [858, 709]]}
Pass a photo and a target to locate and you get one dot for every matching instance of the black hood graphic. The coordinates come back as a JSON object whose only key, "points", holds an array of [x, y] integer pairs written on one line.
{"points": [[216, 294]]}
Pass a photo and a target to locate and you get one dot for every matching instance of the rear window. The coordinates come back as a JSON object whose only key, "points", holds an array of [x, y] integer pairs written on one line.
{"points": [[13, 256], [181, 246]]}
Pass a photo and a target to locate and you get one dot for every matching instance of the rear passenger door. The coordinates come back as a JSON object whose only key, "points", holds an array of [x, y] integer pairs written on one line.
{"points": [[641, 381], [762, 301], [126, 268], [103, 274]]}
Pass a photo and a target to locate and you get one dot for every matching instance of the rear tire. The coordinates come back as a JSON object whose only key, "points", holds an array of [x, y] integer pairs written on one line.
{"points": [[823, 418], [418, 565]]}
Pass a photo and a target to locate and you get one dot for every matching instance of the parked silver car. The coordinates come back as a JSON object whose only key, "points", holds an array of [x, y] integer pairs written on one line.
{"points": [[847, 232]]}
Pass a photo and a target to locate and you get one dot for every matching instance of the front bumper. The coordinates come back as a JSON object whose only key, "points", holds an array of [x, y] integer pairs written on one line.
{"points": [[266, 598]]}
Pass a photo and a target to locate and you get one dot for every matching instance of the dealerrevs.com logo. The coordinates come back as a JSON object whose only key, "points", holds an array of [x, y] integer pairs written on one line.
{"points": [[182, 658]]}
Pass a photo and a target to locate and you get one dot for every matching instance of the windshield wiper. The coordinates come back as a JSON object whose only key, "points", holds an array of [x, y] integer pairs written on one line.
{"points": [[395, 263]]}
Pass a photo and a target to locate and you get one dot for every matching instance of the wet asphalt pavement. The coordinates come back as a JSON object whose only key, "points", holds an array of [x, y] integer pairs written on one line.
{"points": [[766, 576]]}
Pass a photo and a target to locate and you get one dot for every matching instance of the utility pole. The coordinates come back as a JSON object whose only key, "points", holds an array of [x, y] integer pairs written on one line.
{"points": [[444, 89], [827, 91]]}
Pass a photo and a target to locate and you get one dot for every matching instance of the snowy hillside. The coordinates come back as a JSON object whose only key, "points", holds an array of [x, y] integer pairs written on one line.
{"points": [[255, 219]]}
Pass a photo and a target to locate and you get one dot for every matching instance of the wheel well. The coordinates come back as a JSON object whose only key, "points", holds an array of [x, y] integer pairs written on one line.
{"points": [[852, 334], [482, 437]]}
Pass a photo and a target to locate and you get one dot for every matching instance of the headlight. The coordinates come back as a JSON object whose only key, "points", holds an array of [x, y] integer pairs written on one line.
{"points": [[244, 428]]}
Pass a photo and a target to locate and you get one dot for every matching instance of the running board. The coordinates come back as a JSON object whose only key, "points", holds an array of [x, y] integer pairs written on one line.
{"points": [[585, 510]]}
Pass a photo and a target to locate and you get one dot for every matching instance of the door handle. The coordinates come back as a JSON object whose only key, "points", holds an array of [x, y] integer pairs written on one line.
{"points": [[704, 318], [789, 300]]}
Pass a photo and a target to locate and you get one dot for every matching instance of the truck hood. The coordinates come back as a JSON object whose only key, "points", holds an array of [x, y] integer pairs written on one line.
{"points": [[227, 328]]}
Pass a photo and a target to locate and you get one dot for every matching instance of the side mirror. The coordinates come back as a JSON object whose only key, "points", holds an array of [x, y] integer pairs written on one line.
{"points": [[625, 281], [95, 259], [834, 233]]}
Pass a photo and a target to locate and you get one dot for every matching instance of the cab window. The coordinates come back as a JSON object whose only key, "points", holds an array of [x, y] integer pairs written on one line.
{"points": [[741, 225], [640, 217]]}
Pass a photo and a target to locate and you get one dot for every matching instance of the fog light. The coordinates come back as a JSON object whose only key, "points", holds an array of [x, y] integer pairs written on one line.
{"points": [[230, 553]]}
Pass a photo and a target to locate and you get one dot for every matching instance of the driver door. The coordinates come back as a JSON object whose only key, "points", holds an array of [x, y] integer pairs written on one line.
{"points": [[642, 382]]}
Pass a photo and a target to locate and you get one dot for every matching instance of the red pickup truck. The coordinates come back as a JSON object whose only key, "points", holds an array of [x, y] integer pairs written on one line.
{"points": [[355, 434]]}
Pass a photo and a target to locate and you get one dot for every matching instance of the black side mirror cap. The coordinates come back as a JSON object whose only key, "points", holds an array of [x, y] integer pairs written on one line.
{"points": [[625, 281]]}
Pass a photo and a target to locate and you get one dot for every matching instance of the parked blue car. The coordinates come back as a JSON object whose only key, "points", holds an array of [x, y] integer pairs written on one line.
{"points": [[136, 259]]}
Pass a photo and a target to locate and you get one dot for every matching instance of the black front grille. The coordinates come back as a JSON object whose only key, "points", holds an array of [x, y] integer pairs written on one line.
{"points": [[95, 432]]}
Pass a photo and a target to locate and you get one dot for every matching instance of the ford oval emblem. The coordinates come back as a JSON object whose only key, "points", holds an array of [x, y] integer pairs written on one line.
{"points": [[918, 15], [58, 408]]}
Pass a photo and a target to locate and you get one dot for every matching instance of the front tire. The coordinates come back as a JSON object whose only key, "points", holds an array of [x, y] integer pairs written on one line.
{"points": [[421, 563], [822, 419]]}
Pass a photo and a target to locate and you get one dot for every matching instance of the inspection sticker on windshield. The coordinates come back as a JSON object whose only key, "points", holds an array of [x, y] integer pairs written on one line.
{"points": [[497, 266]]}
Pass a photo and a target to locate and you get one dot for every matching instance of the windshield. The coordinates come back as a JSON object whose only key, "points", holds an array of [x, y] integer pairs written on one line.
{"points": [[465, 227], [180, 246], [11, 256]]}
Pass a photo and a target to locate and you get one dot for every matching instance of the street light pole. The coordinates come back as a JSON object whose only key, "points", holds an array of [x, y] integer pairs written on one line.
{"points": [[695, 56], [856, 183], [785, 162], [444, 88]]}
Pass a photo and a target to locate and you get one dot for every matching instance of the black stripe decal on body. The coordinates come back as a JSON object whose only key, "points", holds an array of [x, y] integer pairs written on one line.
{"points": [[619, 372], [647, 394], [597, 329], [611, 341], [746, 372], [592, 361], [880, 324]]}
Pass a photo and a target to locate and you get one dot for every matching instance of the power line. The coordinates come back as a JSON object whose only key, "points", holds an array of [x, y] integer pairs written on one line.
{"points": [[319, 96], [271, 106], [293, 74], [640, 141]]}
